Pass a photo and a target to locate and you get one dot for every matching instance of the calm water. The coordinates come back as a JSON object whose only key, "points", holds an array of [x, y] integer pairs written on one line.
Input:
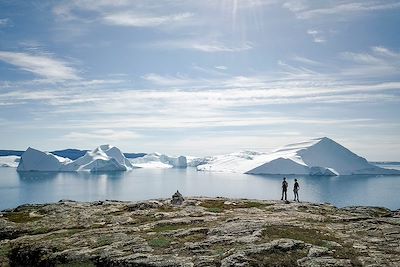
{"points": [[140, 184]]}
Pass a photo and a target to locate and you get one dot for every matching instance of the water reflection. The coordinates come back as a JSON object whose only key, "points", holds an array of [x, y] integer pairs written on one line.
{"points": [[40, 187]]}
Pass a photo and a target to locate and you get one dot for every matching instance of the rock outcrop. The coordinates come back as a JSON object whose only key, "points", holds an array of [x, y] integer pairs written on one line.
{"points": [[200, 232]]}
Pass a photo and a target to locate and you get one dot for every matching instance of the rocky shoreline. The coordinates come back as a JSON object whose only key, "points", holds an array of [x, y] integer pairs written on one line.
{"points": [[200, 232]]}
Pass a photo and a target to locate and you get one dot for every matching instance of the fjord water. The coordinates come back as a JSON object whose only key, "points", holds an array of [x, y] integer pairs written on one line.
{"points": [[141, 184]]}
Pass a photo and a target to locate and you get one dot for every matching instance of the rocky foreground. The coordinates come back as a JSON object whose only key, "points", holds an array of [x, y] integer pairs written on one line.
{"points": [[200, 232]]}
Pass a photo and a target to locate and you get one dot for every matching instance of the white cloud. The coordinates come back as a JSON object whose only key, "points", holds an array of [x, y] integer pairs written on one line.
{"points": [[166, 80], [42, 65], [221, 67], [219, 47], [383, 51], [4, 22], [378, 62], [310, 10], [101, 135], [209, 46], [306, 60], [141, 20], [317, 36]]}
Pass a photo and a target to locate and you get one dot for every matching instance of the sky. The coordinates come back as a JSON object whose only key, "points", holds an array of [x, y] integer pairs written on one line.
{"points": [[200, 77]]}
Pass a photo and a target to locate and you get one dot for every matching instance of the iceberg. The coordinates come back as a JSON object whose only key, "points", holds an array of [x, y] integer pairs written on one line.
{"points": [[238, 162], [9, 161], [103, 158], [318, 157], [160, 161], [36, 160]]}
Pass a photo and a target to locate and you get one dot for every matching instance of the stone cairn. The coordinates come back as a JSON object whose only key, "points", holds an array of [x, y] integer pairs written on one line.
{"points": [[177, 198]]}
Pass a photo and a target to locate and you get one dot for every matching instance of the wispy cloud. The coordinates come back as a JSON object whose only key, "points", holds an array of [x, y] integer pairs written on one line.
{"points": [[167, 80], [120, 13], [312, 9], [43, 65], [377, 62], [317, 36], [130, 19], [4, 22], [101, 135], [209, 46], [306, 60]]}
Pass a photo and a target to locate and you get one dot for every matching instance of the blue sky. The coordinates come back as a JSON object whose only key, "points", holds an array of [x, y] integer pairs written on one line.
{"points": [[200, 77]]}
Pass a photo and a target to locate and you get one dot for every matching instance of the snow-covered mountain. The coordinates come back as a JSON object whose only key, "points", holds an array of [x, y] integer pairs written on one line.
{"points": [[321, 156], [103, 158], [157, 160]]}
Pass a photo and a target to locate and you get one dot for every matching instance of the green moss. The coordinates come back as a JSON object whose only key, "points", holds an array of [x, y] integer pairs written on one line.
{"points": [[278, 258], [192, 238], [167, 227], [348, 252], [40, 230], [77, 264], [160, 242], [253, 204], [215, 209], [64, 233], [118, 212], [142, 219], [166, 208], [311, 236], [21, 217], [221, 205], [4, 251], [103, 241], [213, 204]]}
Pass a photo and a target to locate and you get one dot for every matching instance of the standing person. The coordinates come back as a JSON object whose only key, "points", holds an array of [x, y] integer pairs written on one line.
{"points": [[284, 188], [296, 190]]}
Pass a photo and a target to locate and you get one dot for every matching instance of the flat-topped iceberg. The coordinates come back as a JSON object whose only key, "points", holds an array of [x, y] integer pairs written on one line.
{"points": [[160, 161], [321, 156], [103, 158]]}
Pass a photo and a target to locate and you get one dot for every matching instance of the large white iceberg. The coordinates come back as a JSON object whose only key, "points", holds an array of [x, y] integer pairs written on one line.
{"points": [[103, 158], [161, 161], [36, 160], [321, 156]]}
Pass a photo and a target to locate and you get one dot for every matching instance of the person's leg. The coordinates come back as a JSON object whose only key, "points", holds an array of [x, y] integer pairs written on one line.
{"points": [[285, 194], [282, 194]]}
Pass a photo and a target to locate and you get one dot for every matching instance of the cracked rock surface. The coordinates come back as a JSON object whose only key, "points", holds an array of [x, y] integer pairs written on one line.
{"points": [[200, 232]]}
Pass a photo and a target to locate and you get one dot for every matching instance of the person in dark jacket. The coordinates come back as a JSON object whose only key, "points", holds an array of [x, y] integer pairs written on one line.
{"points": [[284, 188], [296, 190]]}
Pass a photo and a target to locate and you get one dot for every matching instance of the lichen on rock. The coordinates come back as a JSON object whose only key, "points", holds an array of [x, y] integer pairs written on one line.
{"points": [[199, 232]]}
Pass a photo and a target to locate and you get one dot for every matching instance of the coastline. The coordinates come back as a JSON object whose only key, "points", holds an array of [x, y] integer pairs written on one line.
{"points": [[203, 231]]}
